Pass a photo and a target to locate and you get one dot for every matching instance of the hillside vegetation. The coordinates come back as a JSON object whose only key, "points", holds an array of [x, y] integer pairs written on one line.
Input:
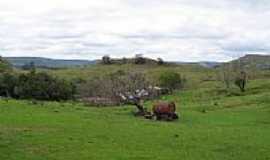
{"points": [[215, 122], [213, 125], [4, 65]]}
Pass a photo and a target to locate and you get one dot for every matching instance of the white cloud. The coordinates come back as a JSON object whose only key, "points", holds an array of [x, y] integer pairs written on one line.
{"points": [[186, 30]]}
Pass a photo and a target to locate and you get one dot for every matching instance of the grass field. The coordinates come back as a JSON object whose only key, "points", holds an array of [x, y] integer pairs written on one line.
{"points": [[214, 125]]}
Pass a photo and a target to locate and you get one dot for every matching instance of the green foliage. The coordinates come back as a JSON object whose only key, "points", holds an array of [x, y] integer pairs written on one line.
{"points": [[8, 81], [171, 80], [40, 86], [212, 126], [4, 65]]}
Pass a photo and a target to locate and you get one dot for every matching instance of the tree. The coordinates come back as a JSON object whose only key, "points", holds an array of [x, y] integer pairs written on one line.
{"points": [[234, 72], [160, 61], [227, 75], [42, 86], [139, 59], [113, 85], [106, 59], [4, 65], [8, 82]]}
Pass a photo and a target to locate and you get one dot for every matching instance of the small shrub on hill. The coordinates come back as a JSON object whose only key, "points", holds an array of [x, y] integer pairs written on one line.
{"points": [[171, 80]]}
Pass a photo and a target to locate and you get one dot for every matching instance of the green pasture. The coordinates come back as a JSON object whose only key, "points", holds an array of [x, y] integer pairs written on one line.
{"points": [[214, 124]]}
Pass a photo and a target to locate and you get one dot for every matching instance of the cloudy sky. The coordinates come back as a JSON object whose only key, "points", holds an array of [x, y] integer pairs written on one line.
{"points": [[182, 30]]}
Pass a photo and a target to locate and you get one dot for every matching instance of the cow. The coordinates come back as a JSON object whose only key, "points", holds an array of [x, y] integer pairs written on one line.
{"points": [[164, 110]]}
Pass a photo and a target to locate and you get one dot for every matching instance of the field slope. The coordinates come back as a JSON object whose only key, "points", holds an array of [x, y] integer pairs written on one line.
{"points": [[213, 125]]}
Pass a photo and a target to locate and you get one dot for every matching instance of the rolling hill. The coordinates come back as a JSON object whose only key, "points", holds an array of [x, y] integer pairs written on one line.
{"points": [[47, 62], [261, 62], [251, 60]]}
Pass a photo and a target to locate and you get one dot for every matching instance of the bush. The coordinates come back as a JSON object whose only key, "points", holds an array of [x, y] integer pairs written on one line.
{"points": [[171, 80], [8, 82], [40, 86], [4, 65]]}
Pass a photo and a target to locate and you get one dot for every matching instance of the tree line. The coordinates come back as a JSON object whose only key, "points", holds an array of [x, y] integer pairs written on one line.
{"points": [[33, 85]]}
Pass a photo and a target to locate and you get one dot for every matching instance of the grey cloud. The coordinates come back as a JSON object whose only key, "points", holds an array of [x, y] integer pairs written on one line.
{"points": [[186, 35], [174, 30]]}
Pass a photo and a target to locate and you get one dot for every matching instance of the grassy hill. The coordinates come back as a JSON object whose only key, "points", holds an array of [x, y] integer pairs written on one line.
{"points": [[213, 125], [261, 62], [193, 72]]}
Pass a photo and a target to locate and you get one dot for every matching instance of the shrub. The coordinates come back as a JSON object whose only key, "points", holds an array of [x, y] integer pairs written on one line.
{"points": [[43, 86], [40, 86], [4, 65], [8, 82], [171, 80]]}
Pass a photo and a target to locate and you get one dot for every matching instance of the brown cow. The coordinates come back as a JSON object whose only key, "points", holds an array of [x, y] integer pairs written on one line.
{"points": [[164, 110]]}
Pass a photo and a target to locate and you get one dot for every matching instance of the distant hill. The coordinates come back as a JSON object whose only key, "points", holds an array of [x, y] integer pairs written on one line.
{"points": [[254, 60], [251, 60], [206, 64], [209, 64], [46, 62]]}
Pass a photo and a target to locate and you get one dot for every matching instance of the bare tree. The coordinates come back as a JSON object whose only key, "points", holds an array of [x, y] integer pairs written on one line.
{"points": [[227, 75], [234, 73], [115, 86]]}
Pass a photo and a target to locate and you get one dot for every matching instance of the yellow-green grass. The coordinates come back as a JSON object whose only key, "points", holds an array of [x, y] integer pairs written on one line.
{"points": [[214, 124], [99, 69]]}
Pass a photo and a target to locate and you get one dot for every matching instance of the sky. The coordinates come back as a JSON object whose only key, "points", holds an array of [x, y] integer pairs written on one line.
{"points": [[175, 30]]}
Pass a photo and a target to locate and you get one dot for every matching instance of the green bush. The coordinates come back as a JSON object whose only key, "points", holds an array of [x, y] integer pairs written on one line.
{"points": [[40, 86], [8, 82], [171, 80], [4, 65]]}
